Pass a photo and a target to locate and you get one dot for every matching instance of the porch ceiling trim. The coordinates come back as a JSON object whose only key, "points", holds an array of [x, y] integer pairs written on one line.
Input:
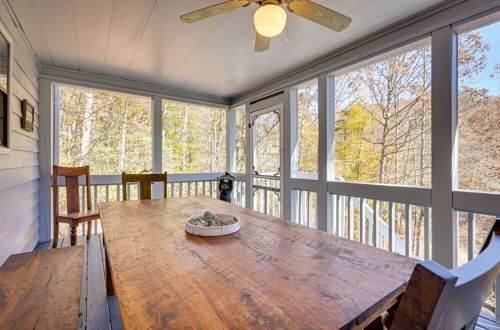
{"points": [[93, 80], [407, 30]]}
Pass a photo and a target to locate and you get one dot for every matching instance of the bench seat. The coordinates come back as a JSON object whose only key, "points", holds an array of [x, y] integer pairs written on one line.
{"points": [[41, 289]]}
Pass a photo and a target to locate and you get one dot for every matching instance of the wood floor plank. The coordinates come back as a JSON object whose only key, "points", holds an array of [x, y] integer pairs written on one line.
{"points": [[42, 246], [82, 317], [487, 324], [490, 317], [116, 323], [97, 302]]}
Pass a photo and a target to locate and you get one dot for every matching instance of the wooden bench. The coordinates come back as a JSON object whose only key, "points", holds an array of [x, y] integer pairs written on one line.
{"points": [[41, 289]]}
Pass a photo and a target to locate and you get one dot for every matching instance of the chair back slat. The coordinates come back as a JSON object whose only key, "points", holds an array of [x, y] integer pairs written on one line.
{"points": [[71, 175], [438, 298], [145, 181], [72, 194]]}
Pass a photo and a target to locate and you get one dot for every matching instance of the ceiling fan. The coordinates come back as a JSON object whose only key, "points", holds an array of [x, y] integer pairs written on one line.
{"points": [[270, 18]]}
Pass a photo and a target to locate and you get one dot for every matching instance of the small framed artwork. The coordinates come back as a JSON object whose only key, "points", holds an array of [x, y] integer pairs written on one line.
{"points": [[28, 116]]}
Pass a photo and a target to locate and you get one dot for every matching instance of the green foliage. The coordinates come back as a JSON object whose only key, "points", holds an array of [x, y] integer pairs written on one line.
{"points": [[307, 129], [194, 138], [111, 132]]}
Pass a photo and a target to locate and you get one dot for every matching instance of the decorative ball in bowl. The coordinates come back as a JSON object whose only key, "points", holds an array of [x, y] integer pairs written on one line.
{"points": [[212, 224]]}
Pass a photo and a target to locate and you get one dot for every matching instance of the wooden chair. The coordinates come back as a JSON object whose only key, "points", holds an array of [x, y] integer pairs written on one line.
{"points": [[438, 298], [74, 216], [145, 181]]}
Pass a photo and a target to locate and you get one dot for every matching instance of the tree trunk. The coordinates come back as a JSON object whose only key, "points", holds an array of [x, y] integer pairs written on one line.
{"points": [[123, 138], [184, 139], [87, 124]]}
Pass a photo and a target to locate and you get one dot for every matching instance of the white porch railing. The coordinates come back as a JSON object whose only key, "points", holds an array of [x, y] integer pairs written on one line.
{"points": [[267, 194], [368, 218]]}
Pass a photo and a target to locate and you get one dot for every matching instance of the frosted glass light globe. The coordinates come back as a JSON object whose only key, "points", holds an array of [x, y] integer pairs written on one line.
{"points": [[269, 20]]}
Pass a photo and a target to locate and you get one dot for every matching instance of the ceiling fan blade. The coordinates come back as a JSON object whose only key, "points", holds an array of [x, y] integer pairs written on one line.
{"points": [[261, 42], [319, 14], [213, 10]]}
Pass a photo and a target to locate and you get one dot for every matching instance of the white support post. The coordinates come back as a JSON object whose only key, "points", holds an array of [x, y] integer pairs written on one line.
{"points": [[326, 151], [230, 140], [157, 109], [287, 196], [248, 159], [45, 160], [444, 130]]}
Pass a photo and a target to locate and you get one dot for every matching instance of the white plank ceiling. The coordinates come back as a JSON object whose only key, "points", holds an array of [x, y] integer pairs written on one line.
{"points": [[144, 40]]}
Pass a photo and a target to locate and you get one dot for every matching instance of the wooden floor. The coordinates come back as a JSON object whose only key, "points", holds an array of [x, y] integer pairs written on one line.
{"points": [[98, 311]]}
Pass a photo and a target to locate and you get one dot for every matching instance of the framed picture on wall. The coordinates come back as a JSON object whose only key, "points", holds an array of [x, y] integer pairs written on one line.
{"points": [[28, 116]]}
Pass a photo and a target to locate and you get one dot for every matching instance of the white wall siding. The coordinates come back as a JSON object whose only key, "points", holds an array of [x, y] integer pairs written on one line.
{"points": [[19, 171]]}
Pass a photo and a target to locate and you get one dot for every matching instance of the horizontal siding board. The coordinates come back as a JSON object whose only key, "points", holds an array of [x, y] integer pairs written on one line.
{"points": [[22, 142], [16, 176], [18, 159], [24, 86]]}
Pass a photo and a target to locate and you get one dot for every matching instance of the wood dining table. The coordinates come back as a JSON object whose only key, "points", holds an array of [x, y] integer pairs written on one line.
{"points": [[271, 274]]}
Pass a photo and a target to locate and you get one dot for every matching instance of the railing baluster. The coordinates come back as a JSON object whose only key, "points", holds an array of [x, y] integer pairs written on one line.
{"points": [[408, 229], [117, 192], [211, 184], [189, 188], [265, 201], [337, 214], [309, 208], [362, 220], [204, 188], [350, 218], [95, 198], [181, 189], [342, 216], [427, 234], [107, 193], [471, 234], [196, 188], [375, 240], [392, 226], [83, 204], [128, 191], [299, 207]]}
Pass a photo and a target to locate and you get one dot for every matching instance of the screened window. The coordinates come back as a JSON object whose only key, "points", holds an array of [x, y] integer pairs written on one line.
{"points": [[194, 138], [383, 119], [109, 131], [479, 108], [240, 152], [306, 150]]}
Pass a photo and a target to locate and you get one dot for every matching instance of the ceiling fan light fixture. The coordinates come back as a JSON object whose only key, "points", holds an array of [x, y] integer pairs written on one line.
{"points": [[269, 20]]}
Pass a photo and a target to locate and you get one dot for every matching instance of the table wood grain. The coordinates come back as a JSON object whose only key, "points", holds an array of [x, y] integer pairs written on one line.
{"points": [[270, 274], [41, 289]]}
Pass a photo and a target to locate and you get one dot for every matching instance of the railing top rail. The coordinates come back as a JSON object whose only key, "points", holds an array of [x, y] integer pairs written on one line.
{"points": [[116, 179]]}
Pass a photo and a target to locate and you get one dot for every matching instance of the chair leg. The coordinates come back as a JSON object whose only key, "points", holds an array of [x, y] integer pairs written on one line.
{"points": [[56, 234], [74, 229], [89, 230]]}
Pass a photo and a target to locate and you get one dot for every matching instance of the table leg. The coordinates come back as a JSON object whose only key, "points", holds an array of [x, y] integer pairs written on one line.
{"points": [[109, 282]]}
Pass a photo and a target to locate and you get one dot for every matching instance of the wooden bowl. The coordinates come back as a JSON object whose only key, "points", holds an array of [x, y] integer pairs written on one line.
{"points": [[213, 230]]}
